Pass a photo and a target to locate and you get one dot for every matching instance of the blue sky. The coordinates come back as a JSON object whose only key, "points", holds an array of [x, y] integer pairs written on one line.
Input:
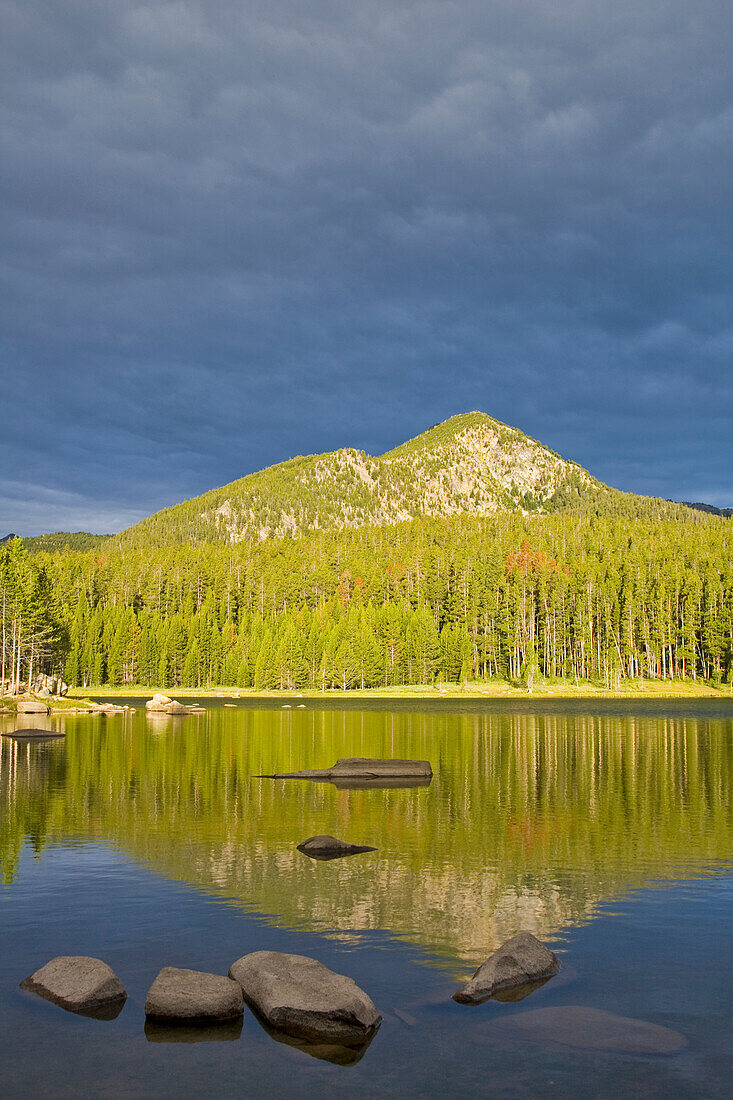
{"points": [[236, 231]]}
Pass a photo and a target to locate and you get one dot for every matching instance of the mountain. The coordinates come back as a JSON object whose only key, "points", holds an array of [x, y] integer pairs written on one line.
{"points": [[468, 465]]}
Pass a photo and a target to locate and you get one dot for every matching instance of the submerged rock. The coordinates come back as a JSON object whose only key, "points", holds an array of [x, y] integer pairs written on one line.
{"points": [[518, 962], [593, 1029], [328, 847], [77, 983], [302, 997], [192, 997]]}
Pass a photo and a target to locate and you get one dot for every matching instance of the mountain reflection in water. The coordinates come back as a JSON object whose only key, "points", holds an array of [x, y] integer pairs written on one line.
{"points": [[532, 820]]}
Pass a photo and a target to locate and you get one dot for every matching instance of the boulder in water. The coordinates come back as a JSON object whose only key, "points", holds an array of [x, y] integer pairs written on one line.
{"points": [[518, 962], [328, 847], [302, 997], [192, 997], [77, 983]]}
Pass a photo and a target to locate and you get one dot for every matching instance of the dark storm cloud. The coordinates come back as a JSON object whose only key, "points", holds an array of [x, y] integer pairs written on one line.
{"points": [[240, 231]]}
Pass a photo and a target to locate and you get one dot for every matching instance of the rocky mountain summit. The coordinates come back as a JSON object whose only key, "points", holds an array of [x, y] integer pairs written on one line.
{"points": [[469, 465]]}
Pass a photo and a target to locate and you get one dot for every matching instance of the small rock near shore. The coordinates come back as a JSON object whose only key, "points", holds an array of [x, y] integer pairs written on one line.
{"points": [[77, 983], [520, 960], [192, 997], [301, 996]]}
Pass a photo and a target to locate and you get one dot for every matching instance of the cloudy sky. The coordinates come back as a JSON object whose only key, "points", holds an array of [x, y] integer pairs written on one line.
{"points": [[237, 230]]}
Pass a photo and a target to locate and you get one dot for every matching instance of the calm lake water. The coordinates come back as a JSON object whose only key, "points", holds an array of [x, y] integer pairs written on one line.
{"points": [[606, 829]]}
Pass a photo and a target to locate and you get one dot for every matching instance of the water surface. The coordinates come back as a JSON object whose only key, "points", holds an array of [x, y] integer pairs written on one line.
{"points": [[607, 830]]}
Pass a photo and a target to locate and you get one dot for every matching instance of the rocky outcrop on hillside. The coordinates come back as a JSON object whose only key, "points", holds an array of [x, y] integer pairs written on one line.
{"points": [[469, 465]]}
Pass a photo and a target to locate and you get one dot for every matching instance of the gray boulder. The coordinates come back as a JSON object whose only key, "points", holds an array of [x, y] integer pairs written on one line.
{"points": [[192, 997], [328, 847], [77, 983], [32, 706], [518, 962], [593, 1029], [299, 995]]}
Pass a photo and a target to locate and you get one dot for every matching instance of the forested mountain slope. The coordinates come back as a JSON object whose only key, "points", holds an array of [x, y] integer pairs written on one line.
{"points": [[470, 465]]}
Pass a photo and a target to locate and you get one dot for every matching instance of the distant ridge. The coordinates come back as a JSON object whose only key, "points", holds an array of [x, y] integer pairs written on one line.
{"points": [[470, 464], [698, 506], [59, 540]]}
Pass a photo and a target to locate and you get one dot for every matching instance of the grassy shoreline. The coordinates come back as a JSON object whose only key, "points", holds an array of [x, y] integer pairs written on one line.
{"points": [[499, 689]]}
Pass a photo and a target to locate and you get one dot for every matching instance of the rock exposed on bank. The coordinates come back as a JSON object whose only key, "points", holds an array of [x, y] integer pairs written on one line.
{"points": [[593, 1029], [32, 706], [77, 983], [32, 734], [192, 997], [301, 996], [518, 962], [365, 770], [53, 685], [328, 847]]}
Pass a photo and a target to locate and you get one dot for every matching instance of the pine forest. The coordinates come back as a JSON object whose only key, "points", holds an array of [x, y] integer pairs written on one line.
{"points": [[516, 597]]}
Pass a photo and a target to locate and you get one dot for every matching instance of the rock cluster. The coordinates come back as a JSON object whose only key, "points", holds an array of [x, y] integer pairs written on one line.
{"points": [[161, 704], [50, 685]]}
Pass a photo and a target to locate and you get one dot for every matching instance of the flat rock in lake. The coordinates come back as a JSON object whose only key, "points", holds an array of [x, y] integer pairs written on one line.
{"points": [[77, 983], [365, 771], [301, 996], [518, 962], [33, 735], [328, 847], [192, 997], [593, 1029]]}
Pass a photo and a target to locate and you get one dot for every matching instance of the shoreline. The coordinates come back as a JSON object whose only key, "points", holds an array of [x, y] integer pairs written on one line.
{"points": [[651, 689]]}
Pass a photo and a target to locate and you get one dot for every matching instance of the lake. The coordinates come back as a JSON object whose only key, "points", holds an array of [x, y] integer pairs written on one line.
{"points": [[605, 828]]}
